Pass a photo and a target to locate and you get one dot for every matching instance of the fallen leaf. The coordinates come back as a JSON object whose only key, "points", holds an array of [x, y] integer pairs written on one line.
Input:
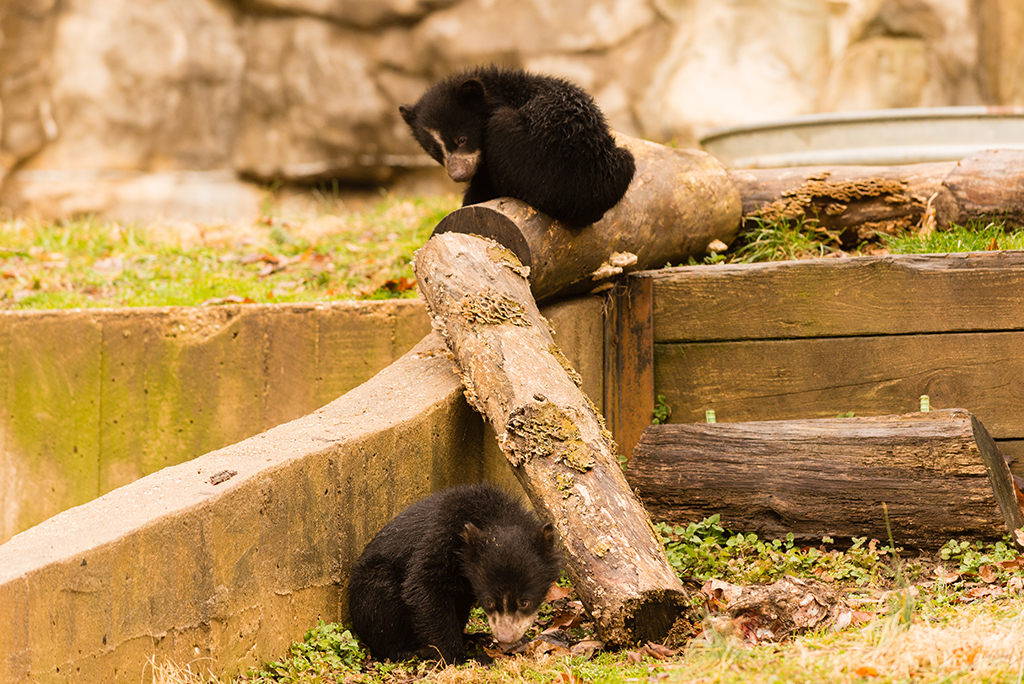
{"points": [[399, 284], [565, 619], [230, 299], [586, 648], [556, 592], [860, 616], [987, 573], [985, 591], [866, 671], [657, 651], [945, 576]]}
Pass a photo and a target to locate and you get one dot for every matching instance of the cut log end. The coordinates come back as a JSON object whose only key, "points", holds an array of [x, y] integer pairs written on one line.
{"points": [[648, 617]]}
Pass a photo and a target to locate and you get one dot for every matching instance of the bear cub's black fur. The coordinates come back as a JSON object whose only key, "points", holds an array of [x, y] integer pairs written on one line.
{"points": [[536, 138], [413, 587]]}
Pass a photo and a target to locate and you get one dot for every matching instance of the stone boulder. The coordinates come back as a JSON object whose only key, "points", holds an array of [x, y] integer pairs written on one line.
{"points": [[96, 95]]}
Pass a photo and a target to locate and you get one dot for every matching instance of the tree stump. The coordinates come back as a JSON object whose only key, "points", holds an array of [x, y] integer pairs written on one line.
{"points": [[679, 204], [479, 299], [939, 474]]}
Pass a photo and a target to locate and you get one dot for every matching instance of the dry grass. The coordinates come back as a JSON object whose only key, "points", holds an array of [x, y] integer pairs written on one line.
{"points": [[979, 642]]}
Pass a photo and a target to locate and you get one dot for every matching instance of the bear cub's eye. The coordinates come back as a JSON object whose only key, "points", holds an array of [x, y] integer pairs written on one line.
{"points": [[489, 605], [461, 140], [524, 604]]}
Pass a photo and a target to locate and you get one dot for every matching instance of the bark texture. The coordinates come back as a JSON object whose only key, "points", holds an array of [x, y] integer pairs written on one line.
{"points": [[869, 199], [514, 374], [939, 475], [679, 203]]}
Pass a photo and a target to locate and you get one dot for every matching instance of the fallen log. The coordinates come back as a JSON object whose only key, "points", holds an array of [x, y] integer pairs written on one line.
{"points": [[864, 200], [680, 204], [939, 474], [551, 433]]}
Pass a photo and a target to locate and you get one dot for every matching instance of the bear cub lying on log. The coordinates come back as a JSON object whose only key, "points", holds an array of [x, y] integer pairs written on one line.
{"points": [[536, 138], [413, 587]]}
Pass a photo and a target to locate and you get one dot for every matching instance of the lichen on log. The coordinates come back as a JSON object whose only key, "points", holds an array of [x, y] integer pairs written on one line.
{"points": [[551, 434]]}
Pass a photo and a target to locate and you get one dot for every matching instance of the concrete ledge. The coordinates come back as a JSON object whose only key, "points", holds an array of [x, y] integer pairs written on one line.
{"points": [[226, 576]]}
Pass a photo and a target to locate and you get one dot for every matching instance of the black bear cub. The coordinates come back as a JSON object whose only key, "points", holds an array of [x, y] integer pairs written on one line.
{"points": [[536, 138], [413, 587]]}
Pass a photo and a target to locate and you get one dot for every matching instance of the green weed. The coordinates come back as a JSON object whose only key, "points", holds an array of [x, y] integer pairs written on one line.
{"points": [[706, 550], [325, 649], [662, 411]]}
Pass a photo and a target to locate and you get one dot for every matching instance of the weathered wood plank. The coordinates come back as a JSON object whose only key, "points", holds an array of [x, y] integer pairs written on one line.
{"points": [[831, 298], [629, 362], [938, 473], [820, 378]]}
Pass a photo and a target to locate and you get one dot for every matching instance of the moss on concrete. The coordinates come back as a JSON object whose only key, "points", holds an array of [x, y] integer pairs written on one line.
{"points": [[172, 566], [92, 400]]}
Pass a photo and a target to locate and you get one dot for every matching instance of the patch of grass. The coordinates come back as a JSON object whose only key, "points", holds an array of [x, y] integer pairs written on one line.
{"points": [[973, 237], [764, 240], [88, 263]]}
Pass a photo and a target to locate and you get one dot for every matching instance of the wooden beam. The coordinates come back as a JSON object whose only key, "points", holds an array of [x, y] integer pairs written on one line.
{"points": [[870, 376], [889, 295], [629, 361], [938, 473]]}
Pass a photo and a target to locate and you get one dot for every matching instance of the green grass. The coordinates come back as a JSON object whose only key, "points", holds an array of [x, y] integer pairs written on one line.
{"points": [[973, 237], [89, 263], [326, 253]]}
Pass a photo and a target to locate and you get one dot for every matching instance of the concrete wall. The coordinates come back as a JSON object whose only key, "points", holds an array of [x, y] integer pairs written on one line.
{"points": [[94, 399], [226, 576]]}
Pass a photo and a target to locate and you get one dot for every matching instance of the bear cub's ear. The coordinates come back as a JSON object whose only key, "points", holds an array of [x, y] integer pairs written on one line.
{"points": [[408, 113], [472, 92], [472, 535], [546, 537]]}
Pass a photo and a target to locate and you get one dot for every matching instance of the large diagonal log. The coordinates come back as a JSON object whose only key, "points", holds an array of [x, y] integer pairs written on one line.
{"points": [[551, 433], [679, 205]]}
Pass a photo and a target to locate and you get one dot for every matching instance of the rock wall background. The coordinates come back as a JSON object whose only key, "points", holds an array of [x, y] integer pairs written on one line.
{"points": [[144, 107]]}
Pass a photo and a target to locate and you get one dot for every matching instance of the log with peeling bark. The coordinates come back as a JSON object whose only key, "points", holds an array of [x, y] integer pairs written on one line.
{"points": [[939, 475], [864, 200], [681, 204], [551, 433]]}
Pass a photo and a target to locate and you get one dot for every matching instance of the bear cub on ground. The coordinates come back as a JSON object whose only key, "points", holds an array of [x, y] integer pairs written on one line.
{"points": [[536, 138], [412, 589]]}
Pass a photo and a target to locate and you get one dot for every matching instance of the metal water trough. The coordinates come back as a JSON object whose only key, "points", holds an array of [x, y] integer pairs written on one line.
{"points": [[873, 137]]}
